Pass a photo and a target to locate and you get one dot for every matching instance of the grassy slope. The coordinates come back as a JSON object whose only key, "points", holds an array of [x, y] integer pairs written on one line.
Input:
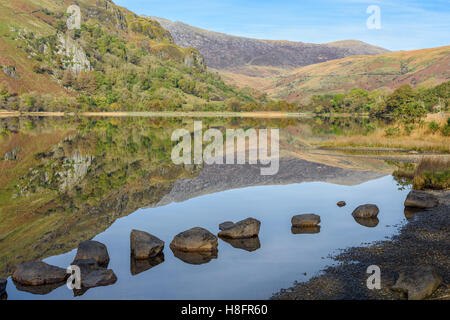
{"points": [[15, 14], [425, 67]]}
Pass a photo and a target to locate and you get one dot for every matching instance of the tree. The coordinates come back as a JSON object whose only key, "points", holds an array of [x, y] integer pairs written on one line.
{"points": [[68, 79]]}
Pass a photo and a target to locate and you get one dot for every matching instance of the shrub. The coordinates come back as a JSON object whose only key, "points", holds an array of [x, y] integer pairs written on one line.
{"points": [[392, 131], [433, 126]]}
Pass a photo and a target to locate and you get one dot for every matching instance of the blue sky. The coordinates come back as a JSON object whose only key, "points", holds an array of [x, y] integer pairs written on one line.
{"points": [[405, 24]]}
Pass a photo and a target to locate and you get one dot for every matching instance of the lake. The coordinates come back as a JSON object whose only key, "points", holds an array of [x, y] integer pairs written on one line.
{"points": [[79, 179]]}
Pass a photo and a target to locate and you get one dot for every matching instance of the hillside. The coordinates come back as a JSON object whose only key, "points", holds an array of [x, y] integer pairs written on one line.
{"points": [[222, 51], [115, 61], [427, 67]]}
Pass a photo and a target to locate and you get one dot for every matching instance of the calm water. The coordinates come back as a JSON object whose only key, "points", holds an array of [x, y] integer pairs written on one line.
{"points": [[116, 166], [238, 274]]}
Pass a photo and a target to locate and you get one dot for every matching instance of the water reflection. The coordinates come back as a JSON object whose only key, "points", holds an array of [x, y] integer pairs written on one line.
{"points": [[247, 244], [195, 258], [305, 230], [39, 290], [91, 177], [140, 265], [410, 212], [368, 222]]}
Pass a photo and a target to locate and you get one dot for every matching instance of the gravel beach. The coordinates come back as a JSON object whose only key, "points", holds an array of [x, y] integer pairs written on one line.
{"points": [[424, 240]]}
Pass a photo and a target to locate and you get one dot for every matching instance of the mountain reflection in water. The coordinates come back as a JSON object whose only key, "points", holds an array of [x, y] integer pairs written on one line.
{"points": [[88, 178]]}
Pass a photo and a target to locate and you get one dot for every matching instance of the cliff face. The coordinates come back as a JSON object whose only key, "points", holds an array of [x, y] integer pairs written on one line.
{"points": [[223, 51]]}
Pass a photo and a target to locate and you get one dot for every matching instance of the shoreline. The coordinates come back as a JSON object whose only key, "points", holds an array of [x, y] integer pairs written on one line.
{"points": [[200, 114], [423, 240]]}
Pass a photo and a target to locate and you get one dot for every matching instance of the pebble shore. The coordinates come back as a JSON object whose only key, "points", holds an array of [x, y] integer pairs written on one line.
{"points": [[424, 240]]}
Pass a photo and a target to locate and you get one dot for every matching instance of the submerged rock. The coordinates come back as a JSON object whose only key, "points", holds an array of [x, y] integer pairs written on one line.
{"points": [[247, 244], [368, 222], [341, 204], [305, 220], [196, 239], [196, 258], [226, 225], [243, 229], [366, 211], [421, 199], [417, 283], [140, 265], [95, 250], [305, 230], [38, 273], [144, 245]]}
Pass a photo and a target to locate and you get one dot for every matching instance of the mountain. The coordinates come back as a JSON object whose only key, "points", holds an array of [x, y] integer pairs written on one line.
{"points": [[222, 51], [117, 60], [418, 68]]}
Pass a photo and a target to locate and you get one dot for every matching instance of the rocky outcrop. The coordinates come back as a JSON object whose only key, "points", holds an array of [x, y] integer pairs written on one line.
{"points": [[195, 240], [417, 283], [93, 250], [37, 273], [10, 71], [305, 220], [366, 211], [13, 154], [77, 166], [144, 245], [421, 199], [77, 60], [243, 229]]}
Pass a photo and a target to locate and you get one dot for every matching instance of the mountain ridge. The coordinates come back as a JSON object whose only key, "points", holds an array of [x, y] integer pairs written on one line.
{"points": [[223, 51]]}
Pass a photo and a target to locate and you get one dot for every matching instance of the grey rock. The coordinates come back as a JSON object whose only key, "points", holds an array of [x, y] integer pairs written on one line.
{"points": [[305, 220], [421, 199], [98, 278], [38, 273], [417, 282], [13, 154], [226, 225], [341, 204], [93, 249], [243, 229], [86, 266], [196, 239], [144, 245], [366, 211]]}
